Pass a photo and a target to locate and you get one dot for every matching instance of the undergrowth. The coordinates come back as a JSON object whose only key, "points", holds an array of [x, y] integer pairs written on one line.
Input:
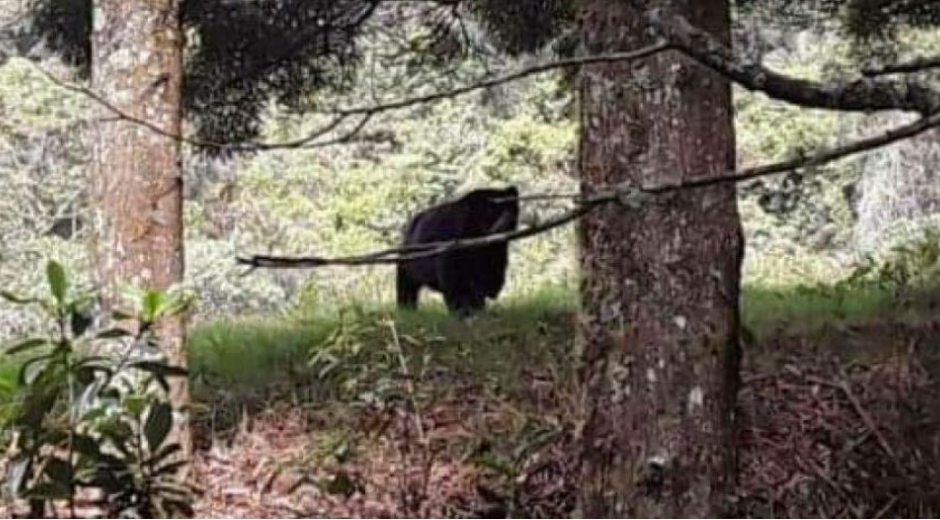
{"points": [[258, 356]]}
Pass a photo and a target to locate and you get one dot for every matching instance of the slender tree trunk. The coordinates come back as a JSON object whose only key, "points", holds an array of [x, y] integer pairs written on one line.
{"points": [[659, 328], [136, 176]]}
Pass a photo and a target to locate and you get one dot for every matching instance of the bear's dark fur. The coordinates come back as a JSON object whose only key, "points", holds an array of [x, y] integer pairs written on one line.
{"points": [[465, 277]]}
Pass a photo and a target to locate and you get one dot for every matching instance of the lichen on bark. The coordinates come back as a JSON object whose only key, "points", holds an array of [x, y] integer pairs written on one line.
{"points": [[658, 332]]}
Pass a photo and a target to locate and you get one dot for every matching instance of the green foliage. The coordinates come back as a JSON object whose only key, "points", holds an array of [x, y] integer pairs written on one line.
{"points": [[250, 357], [89, 410], [811, 208], [356, 198], [906, 266], [379, 377], [865, 19], [508, 467]]}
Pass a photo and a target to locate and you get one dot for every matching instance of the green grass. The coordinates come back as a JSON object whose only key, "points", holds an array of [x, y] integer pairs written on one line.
{"points": [[529, 332], [770, 310], [255, 356], [251, 355]]}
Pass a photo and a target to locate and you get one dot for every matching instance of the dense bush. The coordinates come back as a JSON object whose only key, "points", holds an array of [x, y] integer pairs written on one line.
{"points": [[89, 411]]}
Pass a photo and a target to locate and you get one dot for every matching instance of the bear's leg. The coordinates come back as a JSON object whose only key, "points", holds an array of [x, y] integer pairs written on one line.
{"points": [[464, 301], [406, 289]]}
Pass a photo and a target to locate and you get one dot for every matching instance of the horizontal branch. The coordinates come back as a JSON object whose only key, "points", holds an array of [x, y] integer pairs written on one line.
{"points": [[419, 251], [921, 64], [863, 95], [819, 158], [626, 194]]}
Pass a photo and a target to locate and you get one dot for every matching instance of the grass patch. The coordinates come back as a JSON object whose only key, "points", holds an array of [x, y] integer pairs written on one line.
{"points": [[533, 331], [770, 310], [252, 357]]}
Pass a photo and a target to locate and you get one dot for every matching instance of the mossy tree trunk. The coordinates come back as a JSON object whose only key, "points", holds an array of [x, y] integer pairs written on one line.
{"points": [[136, 175], [660, 283]]}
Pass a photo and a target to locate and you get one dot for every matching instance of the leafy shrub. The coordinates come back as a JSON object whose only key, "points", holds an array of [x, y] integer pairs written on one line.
{"points": [[90, 411]]}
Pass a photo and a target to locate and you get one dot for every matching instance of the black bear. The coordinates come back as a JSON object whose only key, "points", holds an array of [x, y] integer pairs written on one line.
{"points": [[466, 277]]}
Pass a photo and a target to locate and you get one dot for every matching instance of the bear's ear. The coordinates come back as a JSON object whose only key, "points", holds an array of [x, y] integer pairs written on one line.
{"points": [[504, 195]]}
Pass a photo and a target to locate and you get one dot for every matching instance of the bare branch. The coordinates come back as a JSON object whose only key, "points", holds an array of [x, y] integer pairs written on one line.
{"points": [[341, 115], [643, 52], [308, 141], [418, 251], [921, 64], [862, 95], [893, 135], [626, 194]]}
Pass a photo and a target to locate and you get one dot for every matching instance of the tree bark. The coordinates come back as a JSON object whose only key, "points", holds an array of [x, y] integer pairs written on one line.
{"points": [[658, 336], [136, 175]]}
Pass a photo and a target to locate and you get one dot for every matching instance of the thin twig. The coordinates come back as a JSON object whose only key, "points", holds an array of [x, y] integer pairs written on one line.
{"points": [[887, 507], [869, 422], [643, 52], [920, 64], [893, 135], [307, 141]]}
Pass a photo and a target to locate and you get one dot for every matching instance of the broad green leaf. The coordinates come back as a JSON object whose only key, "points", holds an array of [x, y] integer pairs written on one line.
{"points": [[113, 333], [12, 298], [135, 404], [32, 369], [160, 368], [158, 424], [8, 383], [152, 305], [25, 345], [163, 453], [86, 445], [171, 468], [58, 283], [35, 408]]}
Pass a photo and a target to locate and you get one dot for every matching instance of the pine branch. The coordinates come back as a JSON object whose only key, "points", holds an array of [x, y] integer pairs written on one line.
{"points": [[861, 95]]}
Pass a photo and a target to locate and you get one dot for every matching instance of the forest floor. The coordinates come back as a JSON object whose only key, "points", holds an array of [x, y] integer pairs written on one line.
{"points": [[373, 413], [420, 415]]}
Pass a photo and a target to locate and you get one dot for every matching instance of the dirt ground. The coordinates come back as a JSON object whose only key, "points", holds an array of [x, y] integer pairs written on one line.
{"points": [[841, 424]]}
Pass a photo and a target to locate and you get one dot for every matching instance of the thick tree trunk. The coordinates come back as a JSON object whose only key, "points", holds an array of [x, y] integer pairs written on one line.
{"points": [[659, 329], [136, 176]]}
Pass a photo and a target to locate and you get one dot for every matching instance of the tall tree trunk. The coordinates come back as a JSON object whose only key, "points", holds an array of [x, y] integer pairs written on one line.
{"points": [[659, 329], [136, 175]]}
